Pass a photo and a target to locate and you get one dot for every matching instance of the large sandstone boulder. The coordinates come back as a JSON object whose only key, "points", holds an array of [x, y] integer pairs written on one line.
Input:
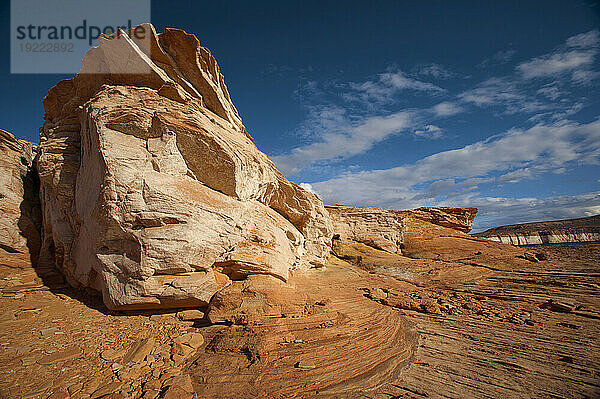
{"points": [[19, 204], [152, 190]]}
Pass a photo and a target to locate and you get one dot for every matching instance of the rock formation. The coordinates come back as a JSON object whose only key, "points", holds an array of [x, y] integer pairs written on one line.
{"points": [[377, 228], [19, 204], [153, 193], [414, 246], [554, 232], [383, 229], [453, 218], [152, 190]]}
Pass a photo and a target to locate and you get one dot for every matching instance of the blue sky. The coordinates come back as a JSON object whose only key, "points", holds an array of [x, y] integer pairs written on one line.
{"points": [[402, 104]]}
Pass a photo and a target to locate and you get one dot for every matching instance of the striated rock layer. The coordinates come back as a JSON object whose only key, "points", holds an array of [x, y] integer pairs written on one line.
{"points": [[454, 218], [554, 232], [377, 228], [152, 190], [19, 204]]}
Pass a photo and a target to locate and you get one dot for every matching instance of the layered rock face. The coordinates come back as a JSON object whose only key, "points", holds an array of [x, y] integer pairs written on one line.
{"points": [[152, 190], [415, 245], [454, 218], [554, 232], [19, 204], [386, 229], [377, 228]]}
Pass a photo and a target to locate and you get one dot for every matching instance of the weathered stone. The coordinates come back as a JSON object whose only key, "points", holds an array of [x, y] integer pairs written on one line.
{"points": [[559, 306], [530, 257], [20, 217], [453, 218], [191, 314], [139, 350], [179, 387], [377, 228], [48, 331], [151, 185], [106, 389], [72, 352], [193, 340], [305, 365], [112, 354]]}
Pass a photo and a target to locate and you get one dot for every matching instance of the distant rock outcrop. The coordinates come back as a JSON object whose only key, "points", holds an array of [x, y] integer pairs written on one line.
{"points": [[152, 190], [384, 229], [554, 232], [19, 203], [377, 228], [453, 218]]}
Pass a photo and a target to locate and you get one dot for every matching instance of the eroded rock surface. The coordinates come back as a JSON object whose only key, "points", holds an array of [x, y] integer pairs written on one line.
{"points": [[454, 218], [377, 228], [19, 204], [152, 190]]}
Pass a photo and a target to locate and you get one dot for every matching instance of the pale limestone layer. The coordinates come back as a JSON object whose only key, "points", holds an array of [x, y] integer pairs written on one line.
{"points": [[545, 238], [153, 192], [17, 192]]}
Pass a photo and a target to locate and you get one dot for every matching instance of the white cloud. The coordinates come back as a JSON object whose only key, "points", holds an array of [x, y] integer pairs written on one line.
{"points": [[514, 155], [345, 141], [575, 57], [446, 108], [501, 57], [504, 56], [550, 91], [585, 40], [400, 81], [382, 89], [503, 92], [307, 187], [430, 132], [434, 70], [555, 64], [498, 211], [584, 76]]}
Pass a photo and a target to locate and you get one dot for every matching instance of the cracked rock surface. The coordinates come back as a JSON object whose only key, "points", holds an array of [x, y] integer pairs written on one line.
{"points": [[152, 191]]}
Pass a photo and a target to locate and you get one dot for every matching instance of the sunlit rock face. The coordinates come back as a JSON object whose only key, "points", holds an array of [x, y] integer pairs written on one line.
{"points": [[377, 228], [152, 190], [454, 218]]}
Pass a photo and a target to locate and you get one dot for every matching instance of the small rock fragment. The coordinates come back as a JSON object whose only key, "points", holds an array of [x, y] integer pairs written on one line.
{"points": [[190, 315], [106, 389], [72, 352], [558, 306], [111, 354], [530, 257], [139, 350], [179, 387], [48, 331], [305, 365]]}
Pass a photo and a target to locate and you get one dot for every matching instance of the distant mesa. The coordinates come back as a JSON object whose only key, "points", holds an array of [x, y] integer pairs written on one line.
{"points": [[579, 230]]}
